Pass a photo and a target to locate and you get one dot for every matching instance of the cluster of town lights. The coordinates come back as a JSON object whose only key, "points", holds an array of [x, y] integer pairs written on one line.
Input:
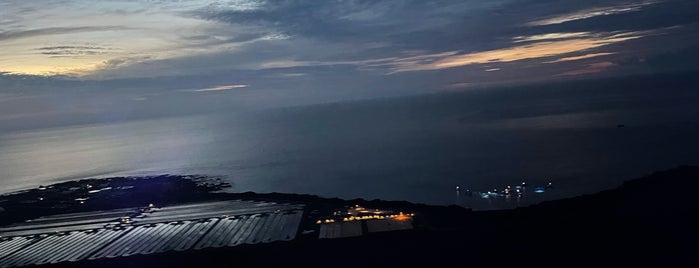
{"points": [[400, 216]]}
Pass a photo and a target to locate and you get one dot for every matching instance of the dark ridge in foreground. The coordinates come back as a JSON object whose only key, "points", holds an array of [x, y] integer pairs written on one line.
{"points": [[647, 222]]}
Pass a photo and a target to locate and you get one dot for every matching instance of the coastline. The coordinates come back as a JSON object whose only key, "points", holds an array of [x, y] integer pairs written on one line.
{"points": [[622, 223]]}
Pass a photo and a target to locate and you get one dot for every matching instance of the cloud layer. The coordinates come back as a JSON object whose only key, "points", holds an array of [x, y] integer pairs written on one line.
{"points": [[314, 44]]}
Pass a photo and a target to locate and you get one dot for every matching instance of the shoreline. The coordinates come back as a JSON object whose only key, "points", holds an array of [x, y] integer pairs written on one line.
{"points": [[624, 226]]}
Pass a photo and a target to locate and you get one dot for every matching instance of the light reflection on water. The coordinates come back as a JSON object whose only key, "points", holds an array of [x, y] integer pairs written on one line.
{"points": [[366, 151], [31, 158]]}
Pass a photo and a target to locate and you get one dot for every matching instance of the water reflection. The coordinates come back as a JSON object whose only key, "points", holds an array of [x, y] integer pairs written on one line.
{"points": [[43, 157]]}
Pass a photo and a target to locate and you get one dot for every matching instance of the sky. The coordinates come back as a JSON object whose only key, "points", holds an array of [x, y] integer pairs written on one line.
{"points": [[68, 60]]}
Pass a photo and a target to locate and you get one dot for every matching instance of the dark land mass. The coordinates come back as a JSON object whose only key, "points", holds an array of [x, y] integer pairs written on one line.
{"points": [[647, 222]]}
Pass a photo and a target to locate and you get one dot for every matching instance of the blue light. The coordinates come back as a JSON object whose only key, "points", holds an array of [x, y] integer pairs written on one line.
{"points": [[539, 190]]}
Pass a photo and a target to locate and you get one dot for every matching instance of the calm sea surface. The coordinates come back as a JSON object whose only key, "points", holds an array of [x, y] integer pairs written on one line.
{"points": [[415, 148]]}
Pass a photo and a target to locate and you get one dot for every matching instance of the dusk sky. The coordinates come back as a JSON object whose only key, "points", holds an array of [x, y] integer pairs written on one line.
{"points": [[71, 58], [500, 120]]}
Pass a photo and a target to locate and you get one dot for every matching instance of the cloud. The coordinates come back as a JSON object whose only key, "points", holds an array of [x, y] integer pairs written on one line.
{"points": [[292, 74], [524, 48], [70, 48], [219, 88], [234, 6], [355, 21], [129, 29], [551, 36], [581, 57], [592, 68], [591, 13], [520, 52], [12, 35], [72, 51], [244, 38]]}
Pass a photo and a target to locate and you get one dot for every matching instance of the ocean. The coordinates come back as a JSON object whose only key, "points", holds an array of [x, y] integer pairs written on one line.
{"points": [[582, 138]]}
